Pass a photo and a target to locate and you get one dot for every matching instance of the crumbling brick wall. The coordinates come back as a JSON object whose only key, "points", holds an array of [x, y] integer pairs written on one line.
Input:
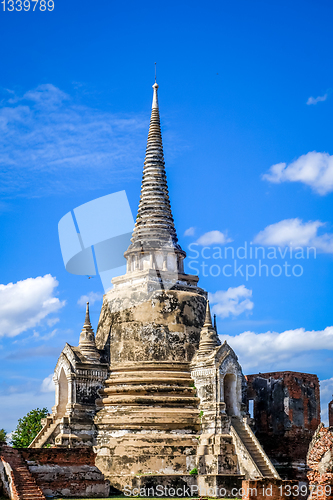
{"points": [[286, 408], [66, 472], [320, 463]]}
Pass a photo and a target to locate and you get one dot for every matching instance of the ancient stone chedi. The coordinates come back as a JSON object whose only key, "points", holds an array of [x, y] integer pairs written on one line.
{"points": [[162, 392], [172, 399], [151, 319]]}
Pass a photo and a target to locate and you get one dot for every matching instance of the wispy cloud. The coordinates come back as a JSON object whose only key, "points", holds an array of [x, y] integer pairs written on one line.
{"points": [[314, 100], [214, 237], [313, 169], [231, 302], [296, 233], [326, 391], [24, 304], [49, 143], [273, 350], [48, 384], [91, 297], [190, 231]]}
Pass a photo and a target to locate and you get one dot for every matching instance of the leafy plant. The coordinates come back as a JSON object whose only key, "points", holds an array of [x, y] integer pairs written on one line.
{"points": [[28, 427], [201, 414], [194, 471], [3, 435]]}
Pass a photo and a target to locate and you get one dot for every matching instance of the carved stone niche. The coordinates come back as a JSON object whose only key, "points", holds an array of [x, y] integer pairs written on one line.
{"points": [[221, 388]]}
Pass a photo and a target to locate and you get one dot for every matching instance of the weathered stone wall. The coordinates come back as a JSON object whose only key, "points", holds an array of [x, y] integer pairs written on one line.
{"points": [[66, 472], [162, 325], [7, 487], [149, 405], [286, 415], [87, 387]]}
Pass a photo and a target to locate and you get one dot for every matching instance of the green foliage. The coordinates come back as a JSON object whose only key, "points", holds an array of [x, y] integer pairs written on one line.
{"points": [[201, 414], [194, 471], [3, 435], [28, 427]]}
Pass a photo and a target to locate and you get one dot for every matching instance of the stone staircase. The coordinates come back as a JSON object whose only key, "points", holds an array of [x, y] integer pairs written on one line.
{"points": [[25, 486], [253, 447], [45, 433]]}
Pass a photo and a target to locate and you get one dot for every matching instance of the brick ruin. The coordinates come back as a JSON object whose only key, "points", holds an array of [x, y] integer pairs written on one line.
{"points": [[36, 473], [320, 463], [286, 413], [155, 398]]}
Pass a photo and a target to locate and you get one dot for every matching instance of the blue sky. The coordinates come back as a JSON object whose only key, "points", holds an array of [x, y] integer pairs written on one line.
{"points": [[244, 86]]}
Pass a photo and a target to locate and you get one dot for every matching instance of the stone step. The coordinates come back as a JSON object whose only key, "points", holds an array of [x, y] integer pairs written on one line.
{"points": [[35, 494], [252, 447], [31, 493], [23, 481]]}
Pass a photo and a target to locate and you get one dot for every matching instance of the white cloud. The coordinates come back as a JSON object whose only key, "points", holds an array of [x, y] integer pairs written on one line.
{"points": [[49, 143], [314, 100], [231, 302], [313, 169], [288, 231], [91, 297], [190, 231], [278, 350], [326, 391], [46, 95], [9, 437], [52, 321], [25, 304], [213, 237], [48, 384], [297, 233], [47, 336]]}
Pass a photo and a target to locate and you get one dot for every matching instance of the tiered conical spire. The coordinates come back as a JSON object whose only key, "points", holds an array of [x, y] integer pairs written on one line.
{"points": [[208, 336], [87, 339], [154, 227]]}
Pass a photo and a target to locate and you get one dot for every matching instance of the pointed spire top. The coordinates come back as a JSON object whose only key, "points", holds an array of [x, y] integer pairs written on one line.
{"points": [[155, 97], [87, 323], [208, 318], [208, 336], [87, 339], [154, 228]]}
